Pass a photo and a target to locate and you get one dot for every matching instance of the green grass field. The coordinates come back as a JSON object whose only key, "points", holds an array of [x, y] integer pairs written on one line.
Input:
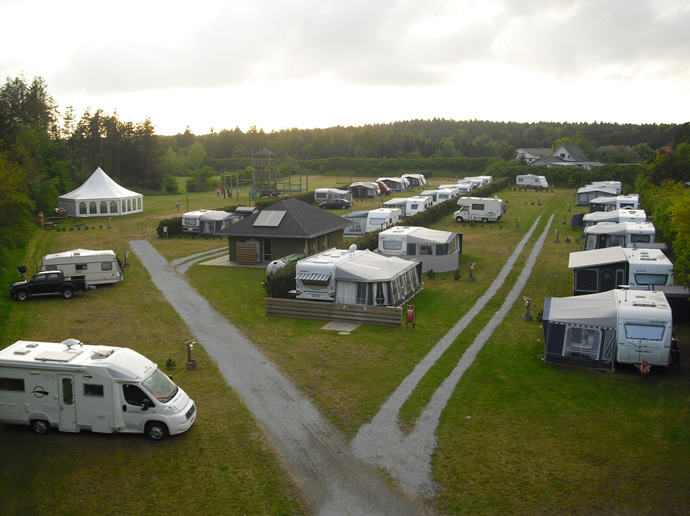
{"points": [[518, 435]]}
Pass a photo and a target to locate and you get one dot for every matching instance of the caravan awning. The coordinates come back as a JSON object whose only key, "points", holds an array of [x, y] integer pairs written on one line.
{"points": [[313, 276], [593, 310]]}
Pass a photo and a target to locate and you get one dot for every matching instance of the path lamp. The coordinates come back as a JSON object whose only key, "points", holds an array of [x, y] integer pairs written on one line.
{"points": [[517, 223], [527, 316], [564, 218], [470, 277], [557, 235], [191, 364]]}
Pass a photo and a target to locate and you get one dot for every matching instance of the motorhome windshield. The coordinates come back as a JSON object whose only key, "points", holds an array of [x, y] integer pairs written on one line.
{"points": [[644, 331], [160, 386]]}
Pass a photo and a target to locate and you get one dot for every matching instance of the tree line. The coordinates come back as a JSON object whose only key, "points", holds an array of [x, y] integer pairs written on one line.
{"points": [[45, 153]]}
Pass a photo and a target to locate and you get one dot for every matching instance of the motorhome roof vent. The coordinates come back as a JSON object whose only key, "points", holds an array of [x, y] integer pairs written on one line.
{"points": [[58, 356], [105, 353]]}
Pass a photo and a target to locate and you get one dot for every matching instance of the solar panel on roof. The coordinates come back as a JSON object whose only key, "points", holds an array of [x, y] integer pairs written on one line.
{"points": [[269, 218]]}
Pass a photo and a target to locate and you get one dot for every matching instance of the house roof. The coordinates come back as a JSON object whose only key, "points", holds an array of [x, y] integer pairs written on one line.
{"points": [[290, 218], [575, 151], [535, 151]]}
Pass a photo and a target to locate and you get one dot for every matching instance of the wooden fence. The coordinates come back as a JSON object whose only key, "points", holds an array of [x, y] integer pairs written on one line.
{"points": [[327, 311]]}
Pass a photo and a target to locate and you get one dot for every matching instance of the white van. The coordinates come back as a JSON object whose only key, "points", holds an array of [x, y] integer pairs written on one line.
{"points": [[73, 386], [97, 267], [383, 218], [479, 208]]}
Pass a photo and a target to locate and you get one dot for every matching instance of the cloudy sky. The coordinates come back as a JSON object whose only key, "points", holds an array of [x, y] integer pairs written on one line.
{"points": [[221, 64]]}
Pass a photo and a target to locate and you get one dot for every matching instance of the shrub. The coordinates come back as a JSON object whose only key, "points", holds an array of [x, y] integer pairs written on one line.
{"points": [[281, 281]]}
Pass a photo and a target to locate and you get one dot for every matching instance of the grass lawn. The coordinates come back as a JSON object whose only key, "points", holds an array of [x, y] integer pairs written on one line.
{"points": [[518, 435]]}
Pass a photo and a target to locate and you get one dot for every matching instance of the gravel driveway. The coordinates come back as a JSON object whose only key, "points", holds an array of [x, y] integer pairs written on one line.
{"points": [[331, 476], [328, 477]]}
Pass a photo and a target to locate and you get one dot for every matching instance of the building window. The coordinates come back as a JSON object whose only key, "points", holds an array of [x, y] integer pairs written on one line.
{"points": [[113, 206], [104, 207], [82, 208], [93, 208]]}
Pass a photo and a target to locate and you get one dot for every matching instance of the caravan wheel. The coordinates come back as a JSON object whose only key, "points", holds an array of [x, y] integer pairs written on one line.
{"points": [[40, 426], [156, 431]]}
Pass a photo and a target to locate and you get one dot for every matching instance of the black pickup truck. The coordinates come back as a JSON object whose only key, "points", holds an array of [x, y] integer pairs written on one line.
{"points": [[48, 283]]}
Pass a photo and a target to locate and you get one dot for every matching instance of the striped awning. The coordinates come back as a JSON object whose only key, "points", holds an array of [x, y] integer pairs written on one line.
{"points": [[313, 276]]}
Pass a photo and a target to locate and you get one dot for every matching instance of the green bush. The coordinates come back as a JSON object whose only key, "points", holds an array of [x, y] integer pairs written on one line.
{"points": [[281, 281]]}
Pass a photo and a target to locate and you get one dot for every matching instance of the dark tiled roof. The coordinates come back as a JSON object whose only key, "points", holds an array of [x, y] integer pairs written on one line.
{"points": [[301, 220], [575, 152]]}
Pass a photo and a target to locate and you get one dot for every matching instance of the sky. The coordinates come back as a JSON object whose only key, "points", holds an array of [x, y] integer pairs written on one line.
{"points": [[223, 64]]}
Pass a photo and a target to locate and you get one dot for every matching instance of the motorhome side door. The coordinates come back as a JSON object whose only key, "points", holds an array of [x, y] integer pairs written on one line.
{"points": [[68, 406]]}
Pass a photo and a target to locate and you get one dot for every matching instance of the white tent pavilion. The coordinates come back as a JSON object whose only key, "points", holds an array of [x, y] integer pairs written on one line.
{"points": [[101, 196]]}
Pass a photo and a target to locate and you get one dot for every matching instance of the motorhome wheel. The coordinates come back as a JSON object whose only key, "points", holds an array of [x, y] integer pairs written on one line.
{"points": [[485, 220], [459, 219], [40, 426], [156, 431]]}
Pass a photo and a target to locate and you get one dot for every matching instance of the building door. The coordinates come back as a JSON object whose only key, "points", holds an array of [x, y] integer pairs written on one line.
{"points": [[68, 407]]}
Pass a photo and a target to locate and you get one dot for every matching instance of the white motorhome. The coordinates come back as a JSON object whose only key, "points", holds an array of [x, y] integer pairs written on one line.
{"points": [[417, 204], [350, 276], [383, 218], [97, 267], [594, 218], [480, 208], [73, 386], [328, 194], [598, 330], [624, 234], [531, 181], [191, 221]]}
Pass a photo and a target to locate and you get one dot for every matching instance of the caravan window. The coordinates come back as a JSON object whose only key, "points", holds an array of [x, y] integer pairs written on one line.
{"points": [[644, 332], [426, 249], [51, 267], [106, 266], [645, 239], [392, 244], [651, 279], [587, 280], [93, 390], [12, 384], [479, 207], [582, 342], [81, 266]]}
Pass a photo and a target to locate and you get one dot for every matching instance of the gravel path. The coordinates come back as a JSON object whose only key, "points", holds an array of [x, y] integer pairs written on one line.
{"points": [[328, 477], [331, 476], [408, 458]]}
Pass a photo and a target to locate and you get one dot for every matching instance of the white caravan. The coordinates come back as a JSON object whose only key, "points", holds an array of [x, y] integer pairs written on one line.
{"points": [[479, 208], [594, 218], [399, 203], [97, 267], [417, 204], [600, 270], [328, 194], [624, 234], [446, 194], [383, 218], [597, 330], [191, 221], [618, 202], [531, 181], [355, 277], [415, 180], [73, 386], [437, 250]]}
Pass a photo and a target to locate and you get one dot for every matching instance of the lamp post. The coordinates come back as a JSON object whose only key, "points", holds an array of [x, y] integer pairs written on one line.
{"points": [[557, 235], [191, 364], [470, 277], [517, 223], [527, 316]]}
